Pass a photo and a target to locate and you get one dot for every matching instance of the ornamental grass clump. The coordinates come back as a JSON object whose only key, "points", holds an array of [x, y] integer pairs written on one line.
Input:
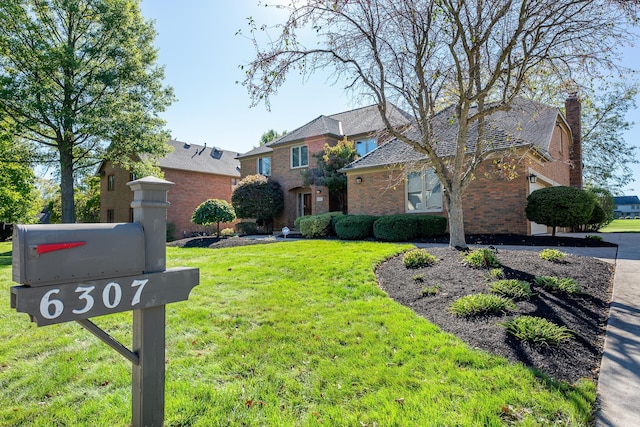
{"points": [[565, 285], [511, 288], [481, 304], [429, 291], [417, 258], [537, 330], [552, 255], [482, 258]]}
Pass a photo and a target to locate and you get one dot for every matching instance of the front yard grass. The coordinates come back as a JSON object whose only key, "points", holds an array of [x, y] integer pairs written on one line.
{"points": [[622, 226], [293, 333]]}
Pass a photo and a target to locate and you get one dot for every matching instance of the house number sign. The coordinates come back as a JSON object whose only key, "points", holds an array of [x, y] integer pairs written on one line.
{"points": [[52, 304]]}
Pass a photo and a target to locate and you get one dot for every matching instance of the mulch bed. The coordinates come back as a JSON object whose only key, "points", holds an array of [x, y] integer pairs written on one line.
{"points": [[586, 315]]}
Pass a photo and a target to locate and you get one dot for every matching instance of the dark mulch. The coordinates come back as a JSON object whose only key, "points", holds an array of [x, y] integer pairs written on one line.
{"points": [[586, 314], [516, 239], [215, 242]]}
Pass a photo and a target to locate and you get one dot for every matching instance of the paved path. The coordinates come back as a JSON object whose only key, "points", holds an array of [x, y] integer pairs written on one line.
{"points": [[619, 381]]}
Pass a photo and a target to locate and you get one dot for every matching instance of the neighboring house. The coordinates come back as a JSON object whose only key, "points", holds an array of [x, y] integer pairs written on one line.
{"points": [[198, 173], [626, 206], [284, 158], [546, 148]]}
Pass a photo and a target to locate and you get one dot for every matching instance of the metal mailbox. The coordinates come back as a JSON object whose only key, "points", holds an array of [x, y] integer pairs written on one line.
{"points": [[66, 253]]}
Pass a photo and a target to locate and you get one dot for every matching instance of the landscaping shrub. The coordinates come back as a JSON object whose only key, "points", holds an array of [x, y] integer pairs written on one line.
{"points": [[296, 223], [227, 232], [511, 288], [247, 227], [537, 330], [496, 273], [354, 227], [396, 228], [335, 217], [312, 226], [594, 237], [432, 225], [213, 211], [480, 258], [429, 291], [560, 207], [480, 304], [552, 255], [565, 285], [417, 258]]}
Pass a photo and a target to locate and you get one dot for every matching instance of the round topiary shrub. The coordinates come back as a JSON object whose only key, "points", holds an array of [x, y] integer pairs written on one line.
{"points": [[355, 227], [560, 207]]}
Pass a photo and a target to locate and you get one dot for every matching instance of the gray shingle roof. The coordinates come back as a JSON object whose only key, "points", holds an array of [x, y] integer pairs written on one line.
{"points": [[196, 158], [528, 123], [626, 200], [354, 122]]}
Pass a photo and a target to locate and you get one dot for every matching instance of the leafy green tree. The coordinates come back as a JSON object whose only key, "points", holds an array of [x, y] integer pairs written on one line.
{"points": [[603, 208], [213, 211], [88, 200], [473, 57], [18, 201], [258, 197], [327, 173], [79, 78], [270, 135], [560, 207]]}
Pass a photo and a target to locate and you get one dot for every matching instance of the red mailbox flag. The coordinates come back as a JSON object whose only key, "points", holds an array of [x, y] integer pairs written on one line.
{"points": [[50, 247]]}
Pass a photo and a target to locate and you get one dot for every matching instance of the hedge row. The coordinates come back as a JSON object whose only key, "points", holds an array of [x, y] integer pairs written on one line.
{"points": [[391, 228]]}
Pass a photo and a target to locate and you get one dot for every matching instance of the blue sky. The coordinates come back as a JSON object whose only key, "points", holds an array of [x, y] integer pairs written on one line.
{"points": [[201, 53]]}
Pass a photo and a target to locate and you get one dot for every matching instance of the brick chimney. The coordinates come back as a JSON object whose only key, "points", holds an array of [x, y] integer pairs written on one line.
{"points": [[572, 112]]}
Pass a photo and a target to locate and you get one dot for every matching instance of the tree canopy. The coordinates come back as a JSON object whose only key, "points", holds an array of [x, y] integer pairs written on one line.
{"points": [[213, 211], [79, 78], [454, 60], [270, 135], [258, 197]]}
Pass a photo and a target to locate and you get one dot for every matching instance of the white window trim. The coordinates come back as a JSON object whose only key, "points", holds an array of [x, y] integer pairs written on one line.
{"points": [[299, 147], [406, 197], [258, 165]]}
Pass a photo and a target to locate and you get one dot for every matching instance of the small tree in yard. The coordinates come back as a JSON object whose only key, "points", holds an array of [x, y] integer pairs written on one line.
{"points": [[258, 197], [330, 161], [560, 207], [213, 211]]}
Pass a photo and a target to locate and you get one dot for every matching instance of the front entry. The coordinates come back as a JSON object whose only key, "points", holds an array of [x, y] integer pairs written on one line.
{"points": [[304, 204]]}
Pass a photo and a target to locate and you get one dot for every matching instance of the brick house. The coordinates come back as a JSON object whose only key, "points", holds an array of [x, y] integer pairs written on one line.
{"points": [[545, 149], [198, 173], [284, 158]]}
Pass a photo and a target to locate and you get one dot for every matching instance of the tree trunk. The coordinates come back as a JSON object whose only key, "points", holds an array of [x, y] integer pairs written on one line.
{"points": [[453, 200], [66, 183]]}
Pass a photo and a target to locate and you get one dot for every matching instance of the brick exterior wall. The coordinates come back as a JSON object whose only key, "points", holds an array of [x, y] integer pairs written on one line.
{"points": [[189, 190], [491, 204]]}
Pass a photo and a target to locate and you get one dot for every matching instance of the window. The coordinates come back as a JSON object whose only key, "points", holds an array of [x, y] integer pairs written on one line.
{"points": [[264, 166], [424, 192], [132, 176], [299, 156], [365, 145], [110, 215], [111, 182]]}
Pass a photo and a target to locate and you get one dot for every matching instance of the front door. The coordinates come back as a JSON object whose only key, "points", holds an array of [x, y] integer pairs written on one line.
{"points": [[306, 204]]}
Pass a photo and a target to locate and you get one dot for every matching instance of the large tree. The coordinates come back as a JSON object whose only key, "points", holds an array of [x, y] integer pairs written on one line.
{"points": [[79, 78], [423, 55]]}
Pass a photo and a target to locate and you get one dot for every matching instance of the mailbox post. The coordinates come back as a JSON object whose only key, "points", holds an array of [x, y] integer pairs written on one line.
{"points": [[77, 271], [147, 393]]}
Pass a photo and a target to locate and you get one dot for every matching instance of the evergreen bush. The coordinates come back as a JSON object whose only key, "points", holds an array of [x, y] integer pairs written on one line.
{"points": [[312, 226], [355, 227], [560, 207]]}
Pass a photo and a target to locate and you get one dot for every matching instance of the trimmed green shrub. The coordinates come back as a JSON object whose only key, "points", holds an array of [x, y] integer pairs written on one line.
{"points": [[213, 211], [560, 207], [565, 285], [480, 304], [432, 225], [482, 258], [537, 330], [552, 255], [416, 258], [594, 237], [335, 217], [296, 223], [396, 228], [511, 288], [312, 226], [247, 227], [354, 227]]}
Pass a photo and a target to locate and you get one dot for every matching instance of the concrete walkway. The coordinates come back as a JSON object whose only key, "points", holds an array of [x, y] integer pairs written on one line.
{"points": [[619, 381]]}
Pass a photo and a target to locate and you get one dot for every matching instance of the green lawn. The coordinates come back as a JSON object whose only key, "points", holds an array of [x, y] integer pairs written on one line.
{"points": [[286, 334], [622, 226]]}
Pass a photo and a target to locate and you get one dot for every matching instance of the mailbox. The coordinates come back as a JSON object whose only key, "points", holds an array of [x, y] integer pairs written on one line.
{"points": [[66, 253]]}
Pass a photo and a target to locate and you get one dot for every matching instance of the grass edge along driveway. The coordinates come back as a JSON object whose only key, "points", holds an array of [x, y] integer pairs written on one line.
{"points": [[286, 334]]}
